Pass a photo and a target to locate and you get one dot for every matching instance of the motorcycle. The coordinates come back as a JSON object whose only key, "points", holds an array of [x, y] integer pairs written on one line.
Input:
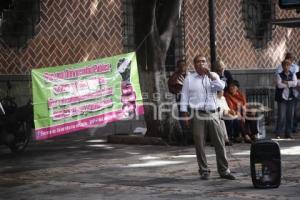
{"points": [[15, 124]]}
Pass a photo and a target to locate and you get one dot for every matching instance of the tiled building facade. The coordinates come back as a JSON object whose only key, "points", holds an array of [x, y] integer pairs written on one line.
{"points": [[69, 31], [72, 31], [232, 46]]}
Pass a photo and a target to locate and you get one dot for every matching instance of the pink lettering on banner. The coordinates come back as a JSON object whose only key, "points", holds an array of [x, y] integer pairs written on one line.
{"points": [[127, 90], [80, 98], [82, 85], [78, 85], [128, 108], [62, 89], [129, 98], [49, 132], [76, 111], [75, 73]]}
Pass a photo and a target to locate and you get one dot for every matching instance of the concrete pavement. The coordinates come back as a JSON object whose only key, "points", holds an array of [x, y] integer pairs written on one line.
{"points": [[74, 168]]}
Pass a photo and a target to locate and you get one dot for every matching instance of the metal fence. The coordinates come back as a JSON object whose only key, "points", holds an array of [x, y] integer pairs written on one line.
{"points": [[259, 87], [264, 96]]}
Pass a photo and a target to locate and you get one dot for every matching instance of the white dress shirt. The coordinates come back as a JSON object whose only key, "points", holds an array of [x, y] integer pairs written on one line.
{"points": [[200, 92], [296, 90]]}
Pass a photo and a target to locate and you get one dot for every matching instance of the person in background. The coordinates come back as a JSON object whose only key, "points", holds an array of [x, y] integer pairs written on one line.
{"points": [[297, 99], [285, 96], [175, 83], [199, 92], [224, 74], [294, 68], [225, 113], [236, 101]]}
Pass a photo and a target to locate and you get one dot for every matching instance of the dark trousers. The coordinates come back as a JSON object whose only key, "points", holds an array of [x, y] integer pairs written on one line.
{"points": [[185, 132], [285, 118], [295, 120], [233, 128]]}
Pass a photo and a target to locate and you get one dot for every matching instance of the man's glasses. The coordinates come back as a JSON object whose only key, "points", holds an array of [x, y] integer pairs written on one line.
{"points": [[201, 61]]}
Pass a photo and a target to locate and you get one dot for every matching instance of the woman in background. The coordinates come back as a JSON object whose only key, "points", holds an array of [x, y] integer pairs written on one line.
{"points": [[236, 101]]}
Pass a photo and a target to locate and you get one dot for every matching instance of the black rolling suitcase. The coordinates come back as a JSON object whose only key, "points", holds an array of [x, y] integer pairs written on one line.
{"points": [[265, 161]]}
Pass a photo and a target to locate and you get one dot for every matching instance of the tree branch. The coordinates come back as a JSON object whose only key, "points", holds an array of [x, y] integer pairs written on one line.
{"points": [[167, 21]]}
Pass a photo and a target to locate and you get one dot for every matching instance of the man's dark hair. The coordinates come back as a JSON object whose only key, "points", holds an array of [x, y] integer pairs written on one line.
{"points": [[234, 82], [180, 61], [198, 56], [289, 56], [286, 62]]}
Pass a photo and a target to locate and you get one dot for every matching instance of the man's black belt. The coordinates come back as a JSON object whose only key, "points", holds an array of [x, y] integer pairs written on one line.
{"points": [[208, 111]]}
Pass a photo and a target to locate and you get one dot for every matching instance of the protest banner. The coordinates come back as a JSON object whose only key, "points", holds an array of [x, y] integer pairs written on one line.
{"points": [[90, 94]]}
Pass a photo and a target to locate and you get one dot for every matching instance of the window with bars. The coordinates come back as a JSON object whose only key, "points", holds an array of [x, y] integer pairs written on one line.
{"points": [[258, 16], [128, 25]]}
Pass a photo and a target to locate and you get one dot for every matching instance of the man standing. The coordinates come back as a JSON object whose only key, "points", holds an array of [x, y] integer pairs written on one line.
{"points": [[286, 82], [223, 73], [175, 83], [199, 91], [294, 68]]}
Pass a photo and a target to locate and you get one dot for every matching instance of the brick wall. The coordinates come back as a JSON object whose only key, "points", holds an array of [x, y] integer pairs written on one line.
{"points": [[72, 31], [232, 46], [69, 31]]}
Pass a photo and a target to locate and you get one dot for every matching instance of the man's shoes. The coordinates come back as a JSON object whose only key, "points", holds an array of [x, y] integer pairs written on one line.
{"points": [[228, 176], [228, 143], [204, 175], [238, 139], [247, 139], [254, 137]]}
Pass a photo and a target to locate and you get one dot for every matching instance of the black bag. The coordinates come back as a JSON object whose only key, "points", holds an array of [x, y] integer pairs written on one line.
{"points": [[265, 161]]}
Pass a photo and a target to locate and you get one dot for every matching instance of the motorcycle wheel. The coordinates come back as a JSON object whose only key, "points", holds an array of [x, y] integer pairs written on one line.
{"points": [[22, 138]]}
